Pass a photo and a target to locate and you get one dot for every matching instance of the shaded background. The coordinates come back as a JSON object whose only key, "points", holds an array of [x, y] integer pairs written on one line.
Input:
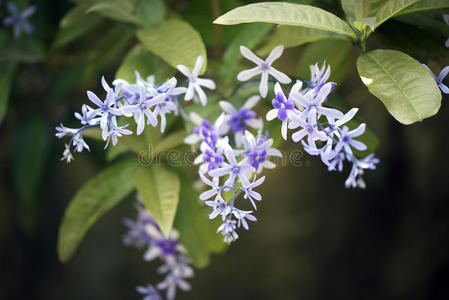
{"points": [[314, 238]]}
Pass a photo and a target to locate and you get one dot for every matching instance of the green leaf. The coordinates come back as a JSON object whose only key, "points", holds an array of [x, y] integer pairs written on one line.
{"points": [[108, 50], [292, 36], [287, 14], [404, 86], [146, 63], [7, 72], [175, 41], [362, 23], [390, 9], [118, 10], [250, 36], [373, 8], [150, 11], [159, 188], [28, 167], [197, 233], [336, 53], [423, 5], [74, 25], [361, 9], [171, 141], [94, 199]]}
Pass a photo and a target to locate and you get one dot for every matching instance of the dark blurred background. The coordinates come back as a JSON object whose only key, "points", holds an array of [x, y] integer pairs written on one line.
{"points": [[314, 239]]}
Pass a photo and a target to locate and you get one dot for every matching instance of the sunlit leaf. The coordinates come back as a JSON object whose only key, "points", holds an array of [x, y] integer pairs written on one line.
{"points": [[92, 200], [404, 86], [175, 41], [159, 188], [292, 36], [391, 8], [287, 14], [423, 5]]}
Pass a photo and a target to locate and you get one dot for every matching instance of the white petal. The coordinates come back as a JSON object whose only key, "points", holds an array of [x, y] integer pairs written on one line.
{"points": [[227, 107], [189, 93], [248, 74], [248, 54], [284, 130], [209, 83], [281, 77], [196, 118], [275, 54], [263, 87], [201, 95], [184, 70], [272, 114], [251, 102], [198, 64]]}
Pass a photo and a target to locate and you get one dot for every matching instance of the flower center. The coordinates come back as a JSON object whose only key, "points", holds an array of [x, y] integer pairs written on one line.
{"points": [[236, 169]]}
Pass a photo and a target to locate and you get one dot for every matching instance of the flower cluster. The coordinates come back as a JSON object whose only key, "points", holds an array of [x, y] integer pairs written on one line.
{"points": [[144, 101], [321, 130], [144, 233], [227, 170], [18, 19]]}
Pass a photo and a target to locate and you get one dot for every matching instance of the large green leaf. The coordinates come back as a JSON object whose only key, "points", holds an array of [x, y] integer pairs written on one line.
{"points": [[159, 188], [287, 14], [423, 5], [146, 63], [197, 233], [404, 86], [292, 36], [250, 36], [95, 198], [175, 41], [391, 8], [373, 8], [7, 72]]}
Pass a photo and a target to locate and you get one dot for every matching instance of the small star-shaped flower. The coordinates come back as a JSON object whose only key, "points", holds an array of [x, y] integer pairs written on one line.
{"points": [[263, 67]]}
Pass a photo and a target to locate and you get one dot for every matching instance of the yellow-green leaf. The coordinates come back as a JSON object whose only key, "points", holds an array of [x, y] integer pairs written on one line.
{"points": [[292, 36], [286, 14], [423, 5], [391, 8], [404, 86], [92, 200], [175, 41], [146, 63], [159, 188]]}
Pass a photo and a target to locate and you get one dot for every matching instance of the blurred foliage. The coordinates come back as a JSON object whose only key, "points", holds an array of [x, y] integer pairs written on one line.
{"points": [[321, 241]]}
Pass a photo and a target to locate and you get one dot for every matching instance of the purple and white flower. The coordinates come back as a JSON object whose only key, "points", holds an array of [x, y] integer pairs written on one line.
{"points": [[264, 68], [195, 83], [19, 20]]}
